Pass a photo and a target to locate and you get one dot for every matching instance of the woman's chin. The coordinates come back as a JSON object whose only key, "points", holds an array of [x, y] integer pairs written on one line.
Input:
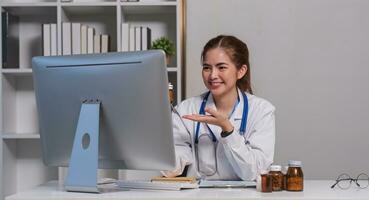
{"points": [[216, 91]]}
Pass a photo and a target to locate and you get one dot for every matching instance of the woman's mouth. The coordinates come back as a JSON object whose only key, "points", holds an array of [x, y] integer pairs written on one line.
{"points": [[215, 84]]}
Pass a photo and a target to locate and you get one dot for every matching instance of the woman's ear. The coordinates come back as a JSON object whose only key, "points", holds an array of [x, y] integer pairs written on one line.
{"points": [[242, 71]]}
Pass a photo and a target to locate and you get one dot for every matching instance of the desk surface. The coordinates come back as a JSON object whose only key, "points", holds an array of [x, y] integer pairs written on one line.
{"points": [[312, 190]]}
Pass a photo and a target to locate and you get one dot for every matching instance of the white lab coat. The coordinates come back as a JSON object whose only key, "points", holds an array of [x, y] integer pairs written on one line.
{"points": [[238, 157]]}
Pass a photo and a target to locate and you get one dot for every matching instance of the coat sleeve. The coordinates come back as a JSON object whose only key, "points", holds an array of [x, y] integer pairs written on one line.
{"points": [[249, 155], [183, 144]]}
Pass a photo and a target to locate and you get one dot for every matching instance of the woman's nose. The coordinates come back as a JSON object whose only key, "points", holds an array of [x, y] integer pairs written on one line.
{"points": [[213, 74]]}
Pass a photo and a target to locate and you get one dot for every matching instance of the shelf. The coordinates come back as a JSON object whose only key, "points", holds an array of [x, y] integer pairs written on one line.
{"points": [[94, 3], [21, 147], [139, 8], [17, 72], [90, 9], [27, 3], [89, 2], [172, 69], [12, 136], [27, 9], [150, 3], [27, 22]]}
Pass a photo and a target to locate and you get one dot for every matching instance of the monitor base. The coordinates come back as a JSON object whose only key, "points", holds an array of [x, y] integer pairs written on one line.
{"points": [[83, 165]]}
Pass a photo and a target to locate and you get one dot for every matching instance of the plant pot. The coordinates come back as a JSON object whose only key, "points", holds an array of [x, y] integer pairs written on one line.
{"points": [[168, 59]]}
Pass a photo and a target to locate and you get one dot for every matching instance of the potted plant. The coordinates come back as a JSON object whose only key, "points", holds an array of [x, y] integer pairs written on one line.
{"points": [[166, 45]]}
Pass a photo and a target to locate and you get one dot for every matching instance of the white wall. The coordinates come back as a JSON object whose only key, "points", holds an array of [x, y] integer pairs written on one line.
{"points": [[310, 58]]}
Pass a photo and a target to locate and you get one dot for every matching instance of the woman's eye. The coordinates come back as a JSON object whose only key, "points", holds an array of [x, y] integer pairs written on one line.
{"points": [[222, 68], [205, 68]]}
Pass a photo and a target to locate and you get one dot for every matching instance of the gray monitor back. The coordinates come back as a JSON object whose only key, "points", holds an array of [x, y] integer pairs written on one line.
{"points": [[135, 116]]}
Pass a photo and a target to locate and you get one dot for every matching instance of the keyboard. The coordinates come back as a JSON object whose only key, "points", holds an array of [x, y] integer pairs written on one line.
{"points": [[138, 184], [226, 184]]}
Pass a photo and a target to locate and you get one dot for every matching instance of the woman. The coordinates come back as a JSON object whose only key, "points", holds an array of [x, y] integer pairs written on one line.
{"points": [[228, 133]]}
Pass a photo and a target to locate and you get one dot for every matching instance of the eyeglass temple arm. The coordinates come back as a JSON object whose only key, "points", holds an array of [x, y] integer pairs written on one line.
{"points": [[350, 179], [335, 184]]}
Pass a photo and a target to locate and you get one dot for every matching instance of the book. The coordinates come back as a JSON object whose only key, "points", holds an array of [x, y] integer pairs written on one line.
{"points": [[76, 38], [10, 40], [132, 38], [46, 39], [66, 38], [97, 44], [104, 43], [125, 37], [138, 38], [146, 38], [174, 179], [90, 40], [83, 39], [53, 40]]}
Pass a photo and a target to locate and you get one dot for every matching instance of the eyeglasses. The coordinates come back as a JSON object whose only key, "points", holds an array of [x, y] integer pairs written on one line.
{"points": [[344, 181]]}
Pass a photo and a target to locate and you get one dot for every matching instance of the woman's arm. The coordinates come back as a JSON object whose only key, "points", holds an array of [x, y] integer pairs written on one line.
{"points": [[183, 145], [248, 155]]}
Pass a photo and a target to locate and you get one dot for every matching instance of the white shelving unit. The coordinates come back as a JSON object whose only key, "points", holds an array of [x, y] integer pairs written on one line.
{"points": [[21, 165]]}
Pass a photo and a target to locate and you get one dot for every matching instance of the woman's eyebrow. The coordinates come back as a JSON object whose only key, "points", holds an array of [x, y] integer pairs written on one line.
{"points": [[221, 63], [217, 65]]}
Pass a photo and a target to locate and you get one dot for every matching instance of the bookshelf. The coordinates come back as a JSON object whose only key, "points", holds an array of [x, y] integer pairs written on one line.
{"points": [[21, 165]]}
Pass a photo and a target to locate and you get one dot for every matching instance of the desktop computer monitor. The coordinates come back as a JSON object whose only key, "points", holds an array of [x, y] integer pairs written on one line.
{"points": [[122, 96]]}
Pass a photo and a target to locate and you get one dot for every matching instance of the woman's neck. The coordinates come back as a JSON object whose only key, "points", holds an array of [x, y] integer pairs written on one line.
{"points": [[225, 103]]}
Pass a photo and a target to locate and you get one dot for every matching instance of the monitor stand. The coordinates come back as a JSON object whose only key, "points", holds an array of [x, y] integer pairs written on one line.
{"points": [[83, 165]]}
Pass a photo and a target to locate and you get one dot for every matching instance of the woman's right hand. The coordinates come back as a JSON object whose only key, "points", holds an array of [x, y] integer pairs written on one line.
{"points": [[178, 170], [215, 118]]}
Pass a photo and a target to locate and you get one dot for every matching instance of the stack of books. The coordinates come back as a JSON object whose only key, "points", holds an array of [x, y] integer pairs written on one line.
{"points": [[135, 38], [77, 38]]}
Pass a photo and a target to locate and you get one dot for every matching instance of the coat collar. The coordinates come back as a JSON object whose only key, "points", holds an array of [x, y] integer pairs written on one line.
{"points": [[237, 115]]}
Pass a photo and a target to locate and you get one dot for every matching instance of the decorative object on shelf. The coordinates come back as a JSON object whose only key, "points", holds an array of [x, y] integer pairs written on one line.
{"points": [[10, 40], [166, 45]]}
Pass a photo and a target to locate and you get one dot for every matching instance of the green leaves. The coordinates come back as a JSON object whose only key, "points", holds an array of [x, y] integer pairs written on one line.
{"points": [[164, 44]]}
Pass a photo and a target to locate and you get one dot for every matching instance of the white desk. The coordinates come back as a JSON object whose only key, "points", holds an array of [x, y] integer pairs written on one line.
{"points": [[313, 190]]}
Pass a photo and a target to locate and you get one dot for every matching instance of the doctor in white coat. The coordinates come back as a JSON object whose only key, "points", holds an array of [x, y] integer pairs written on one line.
{"points": [[226, 133]]}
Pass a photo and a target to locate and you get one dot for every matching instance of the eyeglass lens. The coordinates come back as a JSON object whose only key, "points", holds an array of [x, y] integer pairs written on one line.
{"points": [[344, 181], [362, 180]]}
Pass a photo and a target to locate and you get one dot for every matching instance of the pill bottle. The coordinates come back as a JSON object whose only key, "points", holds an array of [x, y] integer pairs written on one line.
{"points": [[277, 177], [171, 93], [266, 182], [284, 172], [295, 176]]}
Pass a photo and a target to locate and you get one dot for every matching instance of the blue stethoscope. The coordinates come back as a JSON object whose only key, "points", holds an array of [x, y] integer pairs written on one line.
{"points": [[243, 122]]}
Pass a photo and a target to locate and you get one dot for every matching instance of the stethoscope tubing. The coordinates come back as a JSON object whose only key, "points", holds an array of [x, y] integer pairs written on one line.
{"points": [[243, 121]]}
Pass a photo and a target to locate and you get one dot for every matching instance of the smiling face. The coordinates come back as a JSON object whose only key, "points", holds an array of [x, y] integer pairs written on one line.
{"points": [[219, 73]]}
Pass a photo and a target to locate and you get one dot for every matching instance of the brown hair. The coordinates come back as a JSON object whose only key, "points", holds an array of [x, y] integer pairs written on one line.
{"points": [[238, 53]]}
